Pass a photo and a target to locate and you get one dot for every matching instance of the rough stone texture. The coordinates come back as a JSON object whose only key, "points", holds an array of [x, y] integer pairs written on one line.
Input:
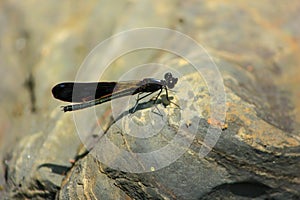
{"points": [[254, 44]]}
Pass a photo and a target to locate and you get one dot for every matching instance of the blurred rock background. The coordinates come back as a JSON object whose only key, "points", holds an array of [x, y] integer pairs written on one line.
{"points": [[44, 42]]}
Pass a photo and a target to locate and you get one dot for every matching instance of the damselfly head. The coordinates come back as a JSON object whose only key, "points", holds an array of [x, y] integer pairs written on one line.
{"points": [[170, 80]]}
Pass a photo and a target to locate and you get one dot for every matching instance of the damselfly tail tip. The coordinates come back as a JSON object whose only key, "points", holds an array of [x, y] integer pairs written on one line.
{"points": [[64, 108]]}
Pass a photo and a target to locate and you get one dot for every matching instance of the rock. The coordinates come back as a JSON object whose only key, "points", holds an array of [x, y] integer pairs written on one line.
{"points": [[252, 159], [39, 163]]}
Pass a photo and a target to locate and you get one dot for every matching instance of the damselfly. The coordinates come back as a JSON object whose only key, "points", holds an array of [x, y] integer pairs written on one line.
{"points": [[93, 93]]}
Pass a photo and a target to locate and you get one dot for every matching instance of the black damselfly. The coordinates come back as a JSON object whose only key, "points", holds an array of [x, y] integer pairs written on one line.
{"points": [[93, 93]]}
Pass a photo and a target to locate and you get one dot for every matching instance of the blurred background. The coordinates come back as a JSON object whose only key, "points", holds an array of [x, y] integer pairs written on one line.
{"points": [[45, 42]]}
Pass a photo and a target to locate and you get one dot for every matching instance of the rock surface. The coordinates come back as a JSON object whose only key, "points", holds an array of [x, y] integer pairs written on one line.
{"points": [[255, 46]]}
